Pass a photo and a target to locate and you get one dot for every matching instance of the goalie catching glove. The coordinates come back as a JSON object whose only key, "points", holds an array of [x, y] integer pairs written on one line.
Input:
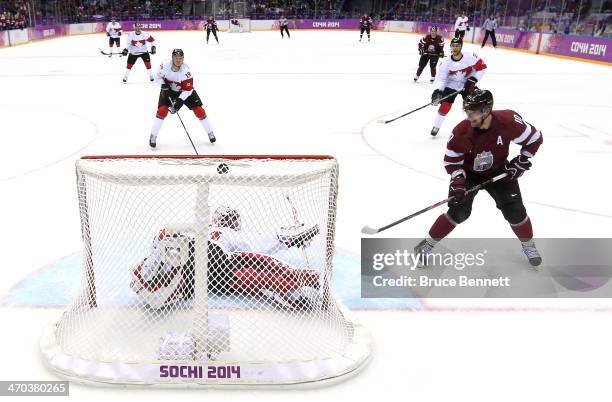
{"points": [[300, 239]]}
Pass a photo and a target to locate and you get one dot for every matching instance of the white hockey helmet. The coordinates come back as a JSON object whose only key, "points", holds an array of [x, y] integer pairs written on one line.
{"points": [[226, 217]]}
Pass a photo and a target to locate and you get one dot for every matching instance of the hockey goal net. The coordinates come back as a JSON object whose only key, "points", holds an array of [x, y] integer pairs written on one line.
{"points": [[239, 25], [206, 270]]}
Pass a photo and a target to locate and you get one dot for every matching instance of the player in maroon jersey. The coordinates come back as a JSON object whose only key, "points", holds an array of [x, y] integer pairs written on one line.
{"points": [[478, 150], [431, 48], [211, 26], [365, 24]]}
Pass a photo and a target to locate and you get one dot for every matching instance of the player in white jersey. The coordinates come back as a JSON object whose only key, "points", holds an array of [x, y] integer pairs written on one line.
{"points": [[237, 262], [458, 72], [137, 48], [177, 89], [113, 31], [461, 25]]}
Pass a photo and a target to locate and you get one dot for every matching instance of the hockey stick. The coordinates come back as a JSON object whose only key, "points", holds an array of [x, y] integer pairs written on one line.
{"points": [[370, 230], [108, 54], [297, 223], [186, 132], [383, 121]]}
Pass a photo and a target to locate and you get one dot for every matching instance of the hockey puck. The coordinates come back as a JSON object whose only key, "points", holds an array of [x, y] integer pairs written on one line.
{"points": [[222, 168]]}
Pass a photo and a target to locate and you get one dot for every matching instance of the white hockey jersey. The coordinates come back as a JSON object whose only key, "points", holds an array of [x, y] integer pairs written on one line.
{"points": [[137, 44], [180, 80], [113, 29], [453, 74], [461, 23], [234, 240], [229, 239]]}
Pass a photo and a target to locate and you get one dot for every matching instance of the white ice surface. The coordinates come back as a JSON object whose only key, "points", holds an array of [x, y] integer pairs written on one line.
{"points": [[321, 92]]}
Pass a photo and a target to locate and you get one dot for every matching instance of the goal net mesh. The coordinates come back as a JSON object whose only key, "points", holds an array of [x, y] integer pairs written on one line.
{"points": [[214, 263]]}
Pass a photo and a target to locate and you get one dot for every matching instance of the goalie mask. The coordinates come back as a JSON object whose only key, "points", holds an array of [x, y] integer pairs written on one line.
{"points": [[225, 217]]}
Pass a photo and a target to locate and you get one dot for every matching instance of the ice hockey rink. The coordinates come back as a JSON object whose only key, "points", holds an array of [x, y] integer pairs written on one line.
{"points": [[320, 92]]}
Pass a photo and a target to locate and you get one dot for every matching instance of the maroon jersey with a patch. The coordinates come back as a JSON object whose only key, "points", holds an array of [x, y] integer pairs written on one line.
{"points": [[211, 24], [432, 46], [484, 152]]}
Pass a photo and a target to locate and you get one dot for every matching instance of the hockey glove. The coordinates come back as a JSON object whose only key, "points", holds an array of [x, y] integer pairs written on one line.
{"points": [[470, 85], [468, 29], [153, 50], [436, 96], [457, 190], [178, 103], [421, 51], [517, 166], [299, 239], [119, 33], [124, 52], [165, 88], [107, 34]]}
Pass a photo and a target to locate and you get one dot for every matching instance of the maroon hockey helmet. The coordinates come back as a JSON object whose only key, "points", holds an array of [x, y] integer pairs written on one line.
{"points": [[478, 99], [433, 28]]}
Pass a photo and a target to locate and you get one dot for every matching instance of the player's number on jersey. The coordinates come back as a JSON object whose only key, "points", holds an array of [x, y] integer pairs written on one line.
{"points": [[519, 119]]}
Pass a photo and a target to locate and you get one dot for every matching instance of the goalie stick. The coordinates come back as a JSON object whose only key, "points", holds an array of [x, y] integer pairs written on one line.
{"points": [[383, 121], [297, 224], [370, 230]]}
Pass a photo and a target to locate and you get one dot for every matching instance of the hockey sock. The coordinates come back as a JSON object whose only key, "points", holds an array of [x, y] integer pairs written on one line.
{"points": [[157, 123], [523, 230], [442, 111], [439, 120], [206, 124], [127, 71], [441, 227]]}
